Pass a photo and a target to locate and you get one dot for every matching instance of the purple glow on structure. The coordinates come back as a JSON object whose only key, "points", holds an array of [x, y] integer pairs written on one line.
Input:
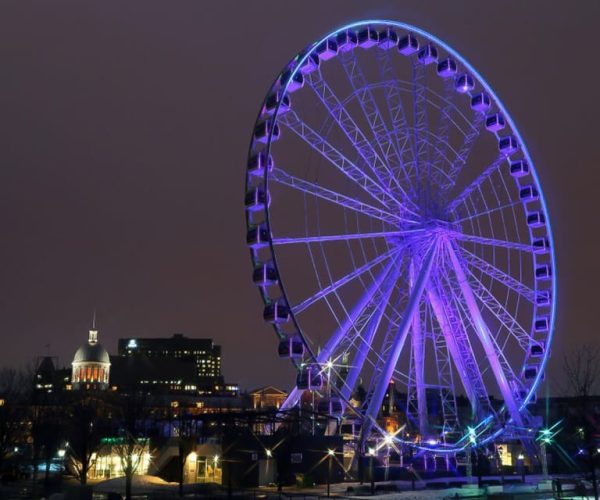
{"points": [[438, 260]]}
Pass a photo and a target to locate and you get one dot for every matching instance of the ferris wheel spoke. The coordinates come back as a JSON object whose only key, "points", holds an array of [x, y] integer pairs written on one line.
{"points": [[377, 191], [513, 380], [442, 142], [420, 120], [357, 138], [459, 346], [485, 338], [475, 183], [369, 296], [306, 303], [399, 132], [465, 149], [499, 311], [508, 281], [365, 341], [280, 176], [375, 398], [344, 237], [522, 247], [376, 122], [489, 211]]}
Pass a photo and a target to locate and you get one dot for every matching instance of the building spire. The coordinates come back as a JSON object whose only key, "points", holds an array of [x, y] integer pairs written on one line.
{"points": [[93, 338]]}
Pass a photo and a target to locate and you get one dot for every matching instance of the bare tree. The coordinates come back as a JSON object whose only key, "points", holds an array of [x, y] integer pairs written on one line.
{"points": [[582, 372], [582, 377], [15, 386], [84, 433], [132, 443]]}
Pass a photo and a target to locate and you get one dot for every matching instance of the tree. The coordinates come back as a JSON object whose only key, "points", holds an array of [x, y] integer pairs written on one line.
{"points": [[15, 386], [582, 372], [132, 444], [85, 431], [582, 377], [186, 436]]}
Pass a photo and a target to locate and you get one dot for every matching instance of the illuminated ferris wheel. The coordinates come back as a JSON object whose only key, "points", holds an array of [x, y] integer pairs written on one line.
{"points": [[399, 234]]}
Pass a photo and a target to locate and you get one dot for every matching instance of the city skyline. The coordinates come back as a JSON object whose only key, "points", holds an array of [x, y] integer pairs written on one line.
{"points": [[123, 186]]}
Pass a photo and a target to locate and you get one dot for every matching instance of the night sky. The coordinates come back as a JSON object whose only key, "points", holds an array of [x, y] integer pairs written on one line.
{"points": [[124, 129]]}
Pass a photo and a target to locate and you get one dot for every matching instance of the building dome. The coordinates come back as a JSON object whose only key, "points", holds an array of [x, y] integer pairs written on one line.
{"points": [[94, 353], [91, 365]]}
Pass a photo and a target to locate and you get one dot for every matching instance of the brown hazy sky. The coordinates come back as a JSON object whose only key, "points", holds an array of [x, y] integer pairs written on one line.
{"points": [[123, 136]]}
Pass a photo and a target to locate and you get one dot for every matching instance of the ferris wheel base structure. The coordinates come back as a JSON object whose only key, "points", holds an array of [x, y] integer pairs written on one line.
{"points": [[400, 241]]}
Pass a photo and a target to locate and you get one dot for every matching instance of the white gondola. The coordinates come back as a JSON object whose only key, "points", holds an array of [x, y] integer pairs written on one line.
{"points": [[537, 350], [408, 45], [309, 377], [464, 83], [291, 346], [347, 40], [388, 39], [265, 275], [543, 272], [495, 122], [542, 325], [542, 298], [519, 168], [273, 100], [277, 312], [481, 102], [428, 54], [311, 64], [296, 81], [529, 193], [368, 38], [331, 406], [259, 162], [257, 236], [256, 199], [327, 49], [541, 246], [536, 219], [265, 130], [508, 145], [447, 68]]}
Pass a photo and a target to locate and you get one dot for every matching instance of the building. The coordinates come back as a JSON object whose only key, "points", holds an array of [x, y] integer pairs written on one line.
{"points": [[206, 356], [268, 397], [153, 375], [91, 365], [48, 378]]}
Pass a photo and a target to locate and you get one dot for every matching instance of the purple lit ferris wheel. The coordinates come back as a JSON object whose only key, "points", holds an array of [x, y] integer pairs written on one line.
{"points": [[399, 235]]}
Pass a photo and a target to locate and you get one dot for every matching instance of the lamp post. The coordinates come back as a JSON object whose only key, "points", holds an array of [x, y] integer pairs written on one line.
{"points": [[521, 466], [330, 455], [371, 475]]}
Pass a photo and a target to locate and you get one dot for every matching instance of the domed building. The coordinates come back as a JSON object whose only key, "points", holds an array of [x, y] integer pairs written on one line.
{"points": [[91, 365]]}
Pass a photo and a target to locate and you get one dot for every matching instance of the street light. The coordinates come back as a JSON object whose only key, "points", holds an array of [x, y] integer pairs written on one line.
{"points": [[371, 454], [330, 455], [269, 453]]}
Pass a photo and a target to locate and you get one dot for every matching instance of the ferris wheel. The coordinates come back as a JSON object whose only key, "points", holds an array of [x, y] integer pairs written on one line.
{"points": [[399, 236]]}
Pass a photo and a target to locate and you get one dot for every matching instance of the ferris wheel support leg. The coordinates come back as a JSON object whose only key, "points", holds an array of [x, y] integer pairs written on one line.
{"points": [[398, 344], [485, 337], [341, 332], [367, 338], [438, 311], [419, 359]]}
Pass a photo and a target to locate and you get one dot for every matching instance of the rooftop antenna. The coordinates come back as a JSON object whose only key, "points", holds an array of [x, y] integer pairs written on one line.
{"points": [[94, 320]]}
